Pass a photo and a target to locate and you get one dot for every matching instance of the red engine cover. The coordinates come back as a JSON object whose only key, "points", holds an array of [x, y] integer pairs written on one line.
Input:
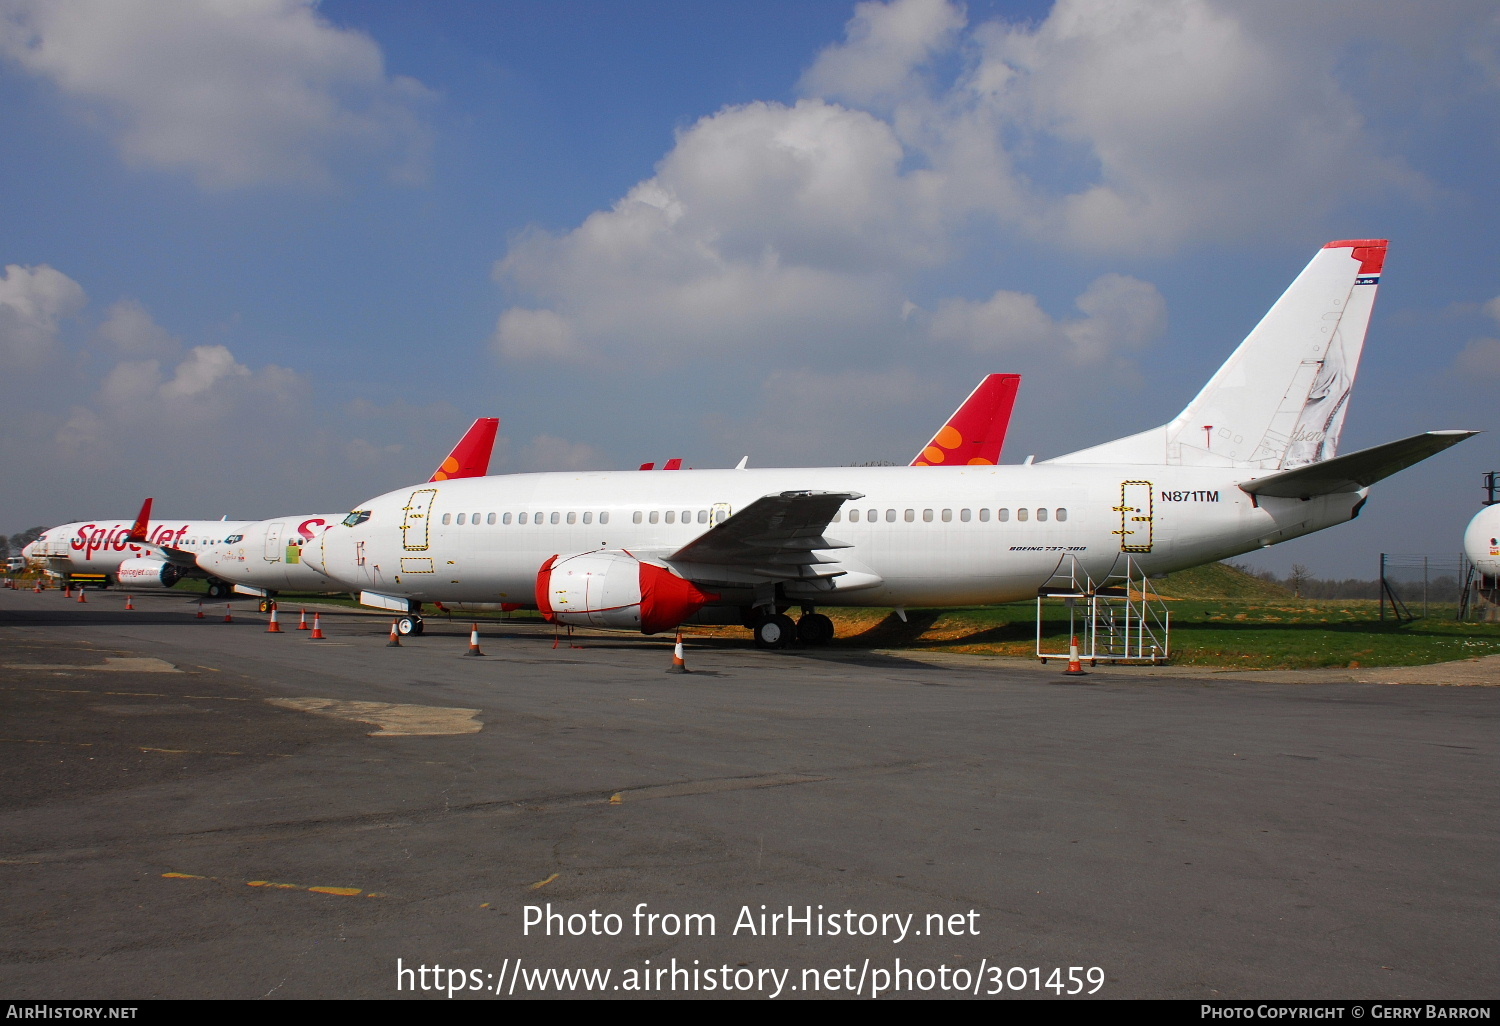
{"points": [[615, 589]]}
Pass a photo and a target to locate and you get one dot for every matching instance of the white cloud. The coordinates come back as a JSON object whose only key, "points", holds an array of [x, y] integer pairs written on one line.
{"points": [[236, 92], [1119, 313], [131, 331], [32, 302], [1480, 359], [1493, 308], [548, 452], [1119, 126], [885, 45]]}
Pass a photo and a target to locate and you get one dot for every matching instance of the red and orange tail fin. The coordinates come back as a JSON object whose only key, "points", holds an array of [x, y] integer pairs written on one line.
{"points": [[142, 525], [471, 456], [648, 466], [975, 434], [675, 464]]}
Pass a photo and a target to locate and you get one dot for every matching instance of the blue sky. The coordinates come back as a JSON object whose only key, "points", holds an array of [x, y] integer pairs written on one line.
{"points": [[270, 257]]}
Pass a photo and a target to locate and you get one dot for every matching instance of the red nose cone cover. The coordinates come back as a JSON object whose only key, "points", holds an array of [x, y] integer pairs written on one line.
{"points": [[667, 600], [543, 585]]}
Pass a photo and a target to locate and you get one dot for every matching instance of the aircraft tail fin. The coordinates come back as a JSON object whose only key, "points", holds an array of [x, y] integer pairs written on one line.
{"points": [[1279, 401], [142, 525], [471, 456], [975, 434]]}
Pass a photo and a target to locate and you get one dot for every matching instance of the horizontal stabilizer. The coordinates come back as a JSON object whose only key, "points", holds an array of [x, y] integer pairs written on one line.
{"points": [[1357, 470]]}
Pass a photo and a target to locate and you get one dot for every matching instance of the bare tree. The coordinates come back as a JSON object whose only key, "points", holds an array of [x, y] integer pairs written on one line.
{"points": [[1300, 576]]}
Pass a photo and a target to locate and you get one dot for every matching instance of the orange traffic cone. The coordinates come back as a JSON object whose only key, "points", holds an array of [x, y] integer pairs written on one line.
{"points": [[474, 642], [128, 603], [274, 627], [317, 634], [38, 587], [302, 623], [1075, 667], [81, 596], [68, 590], [395, 641], [227, 617], [679, 665], [200, 615]]}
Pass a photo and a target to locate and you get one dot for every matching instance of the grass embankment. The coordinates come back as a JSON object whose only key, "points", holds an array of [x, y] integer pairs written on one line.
{"points": [[1220, 617]]}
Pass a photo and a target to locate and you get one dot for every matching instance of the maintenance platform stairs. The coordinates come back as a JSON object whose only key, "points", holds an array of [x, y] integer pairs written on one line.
{"points": [[1118, 620]]}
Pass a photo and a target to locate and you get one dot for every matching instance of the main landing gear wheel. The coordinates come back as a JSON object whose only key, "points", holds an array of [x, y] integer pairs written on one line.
{"points": [[776, 631], [815, 629], [267, 604], [409, 625], [219, 590]]}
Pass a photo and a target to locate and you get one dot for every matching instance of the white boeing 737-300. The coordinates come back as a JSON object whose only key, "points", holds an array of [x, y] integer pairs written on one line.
{"points": [[1250, 462]]}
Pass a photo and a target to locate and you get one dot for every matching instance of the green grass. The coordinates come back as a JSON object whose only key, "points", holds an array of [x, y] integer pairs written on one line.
{"points": [[1283, 634]]}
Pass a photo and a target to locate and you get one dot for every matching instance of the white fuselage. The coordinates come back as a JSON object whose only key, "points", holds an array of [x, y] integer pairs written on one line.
{"points": [[1482, 541], [919, 536], [267, 554], [100, 546]]}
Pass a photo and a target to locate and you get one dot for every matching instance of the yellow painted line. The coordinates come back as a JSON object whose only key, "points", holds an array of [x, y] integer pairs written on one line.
{"points": [[543, 883], [343, 892], [34, 741]]}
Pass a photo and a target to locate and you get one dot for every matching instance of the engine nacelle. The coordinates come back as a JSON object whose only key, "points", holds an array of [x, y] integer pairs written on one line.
{"points": [[615, 589], [147, 573]]}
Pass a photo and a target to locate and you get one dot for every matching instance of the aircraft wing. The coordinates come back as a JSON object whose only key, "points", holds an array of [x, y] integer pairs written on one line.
{"points": [[775, 536], [1356, 470], [178, 557]]}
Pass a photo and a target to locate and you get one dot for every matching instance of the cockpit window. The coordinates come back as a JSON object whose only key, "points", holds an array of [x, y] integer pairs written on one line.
{"points": [[234, 539], [356, 518]]}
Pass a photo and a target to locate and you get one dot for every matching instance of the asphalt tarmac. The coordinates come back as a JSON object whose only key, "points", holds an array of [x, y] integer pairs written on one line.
{"points": [[193, 808]]}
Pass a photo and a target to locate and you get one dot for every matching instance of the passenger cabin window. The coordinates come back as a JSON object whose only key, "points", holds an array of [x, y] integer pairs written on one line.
{"points": [[703, 516], [490, 519], [854, 516], [603, 518], [654, 517], [447, 518], [911, 515], [474, 519], [671, 516], [926, 516], [536, 518], [506, 518], [1022, 514], [635, 518], [460, 519], [521, 519], [687, 516], [553, 518], [890, 516], [1041, 514], [588, 518], [1003, 515], [572, 517], [1062, 514], [838, 516], [947, 516], [965, 515]]}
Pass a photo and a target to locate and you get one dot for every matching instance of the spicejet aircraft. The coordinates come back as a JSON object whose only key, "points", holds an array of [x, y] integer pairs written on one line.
{"points": [[265, 556], [1250, 462], [149, 555], [975, 434]]}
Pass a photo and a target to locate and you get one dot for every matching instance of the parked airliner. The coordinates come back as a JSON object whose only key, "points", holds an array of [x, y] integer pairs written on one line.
{"points": [[1252, 461], [147, 554]]}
